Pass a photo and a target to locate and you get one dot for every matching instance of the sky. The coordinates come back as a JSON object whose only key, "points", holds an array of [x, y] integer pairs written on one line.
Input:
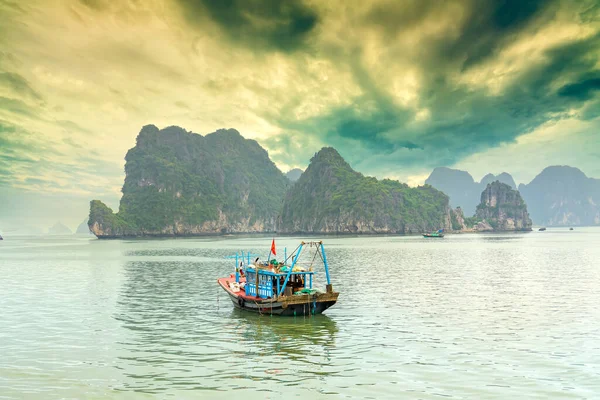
{"points": [[398, 87]]}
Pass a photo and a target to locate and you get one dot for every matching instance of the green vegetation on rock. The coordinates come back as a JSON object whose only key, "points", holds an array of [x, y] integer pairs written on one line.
{"points": [[456, 226], [181, 183], [103, 219], [331, 197], [470, 222]]}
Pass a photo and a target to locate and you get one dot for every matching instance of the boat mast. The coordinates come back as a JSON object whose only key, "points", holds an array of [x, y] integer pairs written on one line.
{"points": [[287, 277], [325, 264]]}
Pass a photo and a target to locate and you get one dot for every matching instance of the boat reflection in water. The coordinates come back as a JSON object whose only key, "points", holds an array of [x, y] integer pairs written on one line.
{"points": [[296, 338]]}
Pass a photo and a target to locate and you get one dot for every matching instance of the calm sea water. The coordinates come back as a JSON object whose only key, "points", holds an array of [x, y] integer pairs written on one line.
{"points": [[468, 316]]}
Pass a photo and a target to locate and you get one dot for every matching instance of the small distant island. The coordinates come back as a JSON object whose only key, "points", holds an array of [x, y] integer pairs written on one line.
{"points": [[501, 209], [59, 229]]}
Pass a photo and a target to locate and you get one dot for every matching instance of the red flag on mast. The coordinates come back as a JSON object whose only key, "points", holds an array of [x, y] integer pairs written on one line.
{"points": [[273, 248]]}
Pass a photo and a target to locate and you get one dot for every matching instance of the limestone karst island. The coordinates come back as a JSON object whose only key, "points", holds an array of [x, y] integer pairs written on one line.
{"points": [[179, 183]]}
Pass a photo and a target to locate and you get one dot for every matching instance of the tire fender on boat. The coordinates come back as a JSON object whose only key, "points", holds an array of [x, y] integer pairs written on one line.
{"points": [[240, 302]]}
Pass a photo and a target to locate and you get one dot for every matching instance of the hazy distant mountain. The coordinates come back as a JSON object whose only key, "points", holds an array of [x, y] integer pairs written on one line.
{"points": [[294, 174], [83, 228], [563, 196], [503, 178], [59, 229], [459, 185], [463, 190]]}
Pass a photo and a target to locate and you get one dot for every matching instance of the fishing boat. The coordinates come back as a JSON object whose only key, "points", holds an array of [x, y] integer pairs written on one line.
{"points": [[542, 229], [438, 234], [280, 288]]}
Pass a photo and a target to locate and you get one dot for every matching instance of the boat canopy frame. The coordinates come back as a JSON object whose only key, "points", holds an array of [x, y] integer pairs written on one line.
{"points": [[242, 261]]}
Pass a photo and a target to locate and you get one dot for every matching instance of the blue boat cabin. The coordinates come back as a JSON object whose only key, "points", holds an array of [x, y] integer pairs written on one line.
{"points": [[273, 277]]}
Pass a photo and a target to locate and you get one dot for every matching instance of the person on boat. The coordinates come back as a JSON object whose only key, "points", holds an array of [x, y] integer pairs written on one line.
{"points": [[242, 269]]}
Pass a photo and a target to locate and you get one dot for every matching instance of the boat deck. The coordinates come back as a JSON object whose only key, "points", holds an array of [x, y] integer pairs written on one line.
{"points": [[224, 282]]}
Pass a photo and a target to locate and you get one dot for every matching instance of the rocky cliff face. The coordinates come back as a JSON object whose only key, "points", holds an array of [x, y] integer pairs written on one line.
{"points": [[503, 209], [563, 196], [180, 183], [457, 219], [330, 197]]}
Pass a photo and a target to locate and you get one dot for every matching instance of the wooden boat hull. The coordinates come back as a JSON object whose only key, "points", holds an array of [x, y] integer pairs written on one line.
{"points": [[427, 235], [295, 305], [281, 308]]}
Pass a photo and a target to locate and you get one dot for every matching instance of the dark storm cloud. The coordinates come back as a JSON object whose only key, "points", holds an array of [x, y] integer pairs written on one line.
{"points": [[582, 90], [463, 119], [272, 24], [489, 25]]}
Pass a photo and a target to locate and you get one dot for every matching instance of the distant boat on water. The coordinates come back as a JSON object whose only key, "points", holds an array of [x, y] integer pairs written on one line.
{"points": [[570, 229], [542, 229], [1, 238], [438, 234]]}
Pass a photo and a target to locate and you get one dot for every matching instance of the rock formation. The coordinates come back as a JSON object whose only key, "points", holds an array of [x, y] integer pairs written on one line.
{"points": [[503, 209], [180, 183], [330, 197], [457, 219]]}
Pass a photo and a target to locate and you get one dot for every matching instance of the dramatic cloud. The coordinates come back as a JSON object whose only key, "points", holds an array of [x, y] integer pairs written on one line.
{"points": [[270, 24], [397, 87]]}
